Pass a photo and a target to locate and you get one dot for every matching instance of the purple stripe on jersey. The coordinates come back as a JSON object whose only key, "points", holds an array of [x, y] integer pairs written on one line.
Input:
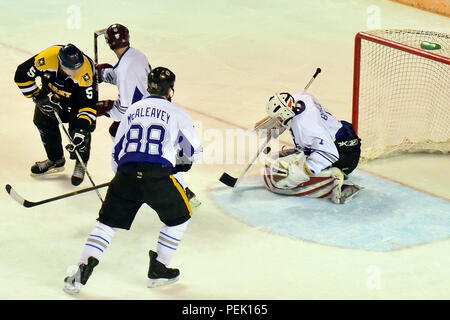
{"points": [[146, 158], [137, 95], [325, 157]]}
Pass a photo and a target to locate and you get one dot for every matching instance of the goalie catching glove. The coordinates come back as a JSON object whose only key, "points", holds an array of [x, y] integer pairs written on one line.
{"points": [[290, 171], [47, 102]]}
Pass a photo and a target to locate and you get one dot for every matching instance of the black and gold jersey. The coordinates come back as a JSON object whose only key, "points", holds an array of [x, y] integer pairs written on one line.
{"points": [[78, 95]]}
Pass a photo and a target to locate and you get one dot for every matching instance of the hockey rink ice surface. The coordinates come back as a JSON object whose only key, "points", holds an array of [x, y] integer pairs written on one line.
{"points": [[391, 242]]}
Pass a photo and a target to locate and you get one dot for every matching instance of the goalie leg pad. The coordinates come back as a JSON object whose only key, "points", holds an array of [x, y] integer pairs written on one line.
{"points": [[326, 184]]}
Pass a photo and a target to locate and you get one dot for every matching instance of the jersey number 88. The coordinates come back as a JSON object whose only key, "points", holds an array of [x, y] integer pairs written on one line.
{"points": [[150, 143]]}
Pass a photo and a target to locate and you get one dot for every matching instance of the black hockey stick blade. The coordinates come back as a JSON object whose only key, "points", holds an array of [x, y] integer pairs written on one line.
{"points": [[228, 180], [29, 204]]}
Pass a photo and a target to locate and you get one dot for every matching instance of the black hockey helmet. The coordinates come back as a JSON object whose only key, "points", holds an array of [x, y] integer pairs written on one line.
{"points": [[70, 57], [160, 80], [117, 36]]}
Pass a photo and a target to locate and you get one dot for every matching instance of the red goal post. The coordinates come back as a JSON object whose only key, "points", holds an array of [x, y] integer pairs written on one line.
{"points": [[401, 92]]}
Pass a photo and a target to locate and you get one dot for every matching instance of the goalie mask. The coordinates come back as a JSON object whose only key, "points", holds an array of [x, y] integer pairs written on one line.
{"points": [[280, 107]]}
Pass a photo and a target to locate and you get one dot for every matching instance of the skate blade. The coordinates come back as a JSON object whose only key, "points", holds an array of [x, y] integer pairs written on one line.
{"points": [[350, 197], [49, 172], [152, 283], [194, 202], [71, 290]]}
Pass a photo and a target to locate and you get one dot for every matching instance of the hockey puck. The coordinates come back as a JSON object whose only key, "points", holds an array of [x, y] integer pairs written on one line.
{"points": [[267, 150]]}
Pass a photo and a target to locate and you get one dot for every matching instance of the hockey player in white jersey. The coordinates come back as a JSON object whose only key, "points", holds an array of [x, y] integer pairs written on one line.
{"points": [[144, 158], [130, 76], [326, 150]]}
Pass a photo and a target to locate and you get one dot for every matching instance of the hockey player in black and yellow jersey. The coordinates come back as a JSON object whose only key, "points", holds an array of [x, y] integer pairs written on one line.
{"points": [[67, 86]]}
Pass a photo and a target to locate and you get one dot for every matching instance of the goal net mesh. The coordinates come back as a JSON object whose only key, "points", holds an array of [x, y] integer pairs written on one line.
{"points": [[403, 95]]}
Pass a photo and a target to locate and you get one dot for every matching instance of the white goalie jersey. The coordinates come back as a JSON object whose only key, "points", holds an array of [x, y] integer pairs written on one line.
{"points": [[313, 131], [130, 76], [154, 130]]}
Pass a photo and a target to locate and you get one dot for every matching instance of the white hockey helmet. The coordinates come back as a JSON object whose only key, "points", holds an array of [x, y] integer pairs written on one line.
{"points": [[280, 107]]}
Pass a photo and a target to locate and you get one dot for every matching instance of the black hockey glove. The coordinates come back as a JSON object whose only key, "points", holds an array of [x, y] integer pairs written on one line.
{"points": [[183, 164], [183, 167], [79, 141], [47, 102]]}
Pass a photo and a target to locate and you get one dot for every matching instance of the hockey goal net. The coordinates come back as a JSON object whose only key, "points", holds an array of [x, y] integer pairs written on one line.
{"points": [[401, 92]]}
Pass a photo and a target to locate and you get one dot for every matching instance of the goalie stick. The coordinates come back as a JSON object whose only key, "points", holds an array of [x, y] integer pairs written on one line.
{"points": [[265, 123], [230, 181], [29, 204]]}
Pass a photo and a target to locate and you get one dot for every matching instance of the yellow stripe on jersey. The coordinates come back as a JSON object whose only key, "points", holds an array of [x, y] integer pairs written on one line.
{"points": [[25, 84], [183, 194], [48, 59], [85, 117], [32, 93], [93, 111]]}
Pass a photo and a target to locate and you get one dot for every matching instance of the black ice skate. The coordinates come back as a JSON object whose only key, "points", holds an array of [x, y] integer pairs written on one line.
{"points": [[349, 191], [47, 167], [193, 201], [159, 274], [73, 284], [78, 173]]}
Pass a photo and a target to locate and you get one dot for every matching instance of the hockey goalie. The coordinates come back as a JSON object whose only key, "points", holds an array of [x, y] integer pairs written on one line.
{"points": [[326, 150]]}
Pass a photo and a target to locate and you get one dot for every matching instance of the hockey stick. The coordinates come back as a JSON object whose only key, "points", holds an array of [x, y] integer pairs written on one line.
{"points": [[77, 154], [96, 34], [233, 182], [29, 204]]}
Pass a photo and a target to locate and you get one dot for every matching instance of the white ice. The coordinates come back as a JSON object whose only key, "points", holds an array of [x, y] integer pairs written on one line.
{"points": [[229, 57]]}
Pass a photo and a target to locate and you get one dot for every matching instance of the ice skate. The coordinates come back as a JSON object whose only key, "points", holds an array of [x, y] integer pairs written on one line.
{"points": [[78, 174], [74, 283], [193, 201], [47, 167], [159, 274], [348, 192]]}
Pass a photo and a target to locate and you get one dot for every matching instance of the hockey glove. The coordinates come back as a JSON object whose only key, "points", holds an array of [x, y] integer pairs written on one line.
{"points": [[183, 164], [79, 141], [99, 68], [47, 102], [183, 167], [103, 106]]}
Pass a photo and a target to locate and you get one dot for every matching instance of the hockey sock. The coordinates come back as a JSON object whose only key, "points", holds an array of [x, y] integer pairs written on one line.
{"points": [[97, 242], [168, 241]]}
